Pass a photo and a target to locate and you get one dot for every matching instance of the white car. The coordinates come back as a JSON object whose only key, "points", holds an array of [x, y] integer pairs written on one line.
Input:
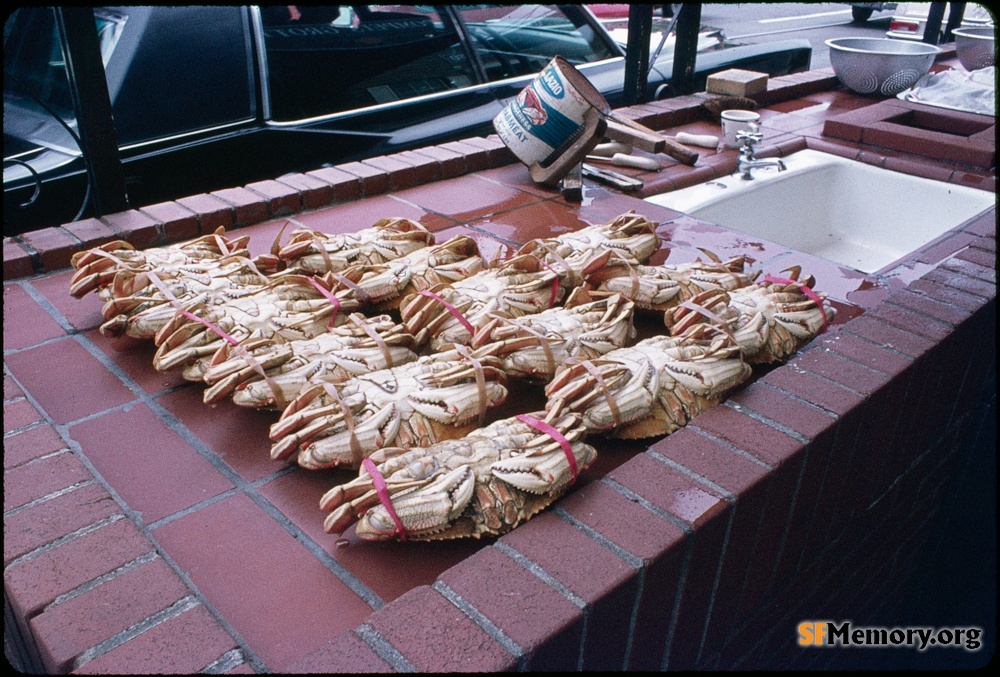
{"points": [[910, 19]]}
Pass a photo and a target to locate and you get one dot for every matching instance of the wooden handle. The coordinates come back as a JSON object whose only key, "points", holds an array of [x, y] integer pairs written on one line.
{"points": [[644, 138]]}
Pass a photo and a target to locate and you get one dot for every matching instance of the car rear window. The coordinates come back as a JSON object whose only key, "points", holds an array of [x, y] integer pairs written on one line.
{"points": [[323, 60]]}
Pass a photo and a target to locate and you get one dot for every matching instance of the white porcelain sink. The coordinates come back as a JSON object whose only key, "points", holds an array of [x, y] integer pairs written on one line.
{"points": [[848, 212]]}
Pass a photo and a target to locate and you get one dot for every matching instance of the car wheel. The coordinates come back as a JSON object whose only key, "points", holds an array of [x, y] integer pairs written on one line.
{"points": [[861, 14]]}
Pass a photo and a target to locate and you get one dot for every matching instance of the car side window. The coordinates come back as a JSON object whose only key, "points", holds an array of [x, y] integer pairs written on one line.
{"points": [[517, 40], [323, 60]]}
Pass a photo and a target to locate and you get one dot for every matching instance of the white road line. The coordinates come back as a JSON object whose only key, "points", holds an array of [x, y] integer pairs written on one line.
{"points": [[803, 16]]}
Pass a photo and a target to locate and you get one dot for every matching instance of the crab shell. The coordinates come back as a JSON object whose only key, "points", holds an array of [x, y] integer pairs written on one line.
{"points": [[383, 286], [290, 308], [578, 254], [523, 285], [652, 388], [768, 321], [533, 346], [338, 355], [485, 483], [658, 288], [314, 252], [138, 308], [96, 271], [440, 396]]}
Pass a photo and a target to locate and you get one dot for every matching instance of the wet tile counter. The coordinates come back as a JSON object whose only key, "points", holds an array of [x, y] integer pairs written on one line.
{"points": [[147, 532]]}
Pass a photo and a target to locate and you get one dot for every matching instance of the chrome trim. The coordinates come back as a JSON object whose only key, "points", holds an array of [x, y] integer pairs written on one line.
{"points": [[426, 97]]}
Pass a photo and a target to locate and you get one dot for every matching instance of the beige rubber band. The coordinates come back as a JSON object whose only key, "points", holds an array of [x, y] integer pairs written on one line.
{"points": [[480, 379], [616, 416], [357, 453]]}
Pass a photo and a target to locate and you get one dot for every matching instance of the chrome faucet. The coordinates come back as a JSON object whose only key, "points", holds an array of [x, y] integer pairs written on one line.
{"points": [[746, 160]]}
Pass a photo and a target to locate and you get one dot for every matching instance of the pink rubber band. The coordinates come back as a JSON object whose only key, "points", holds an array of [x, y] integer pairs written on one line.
{"points": [[383, 495], [544, 427], [805, 290], [333, 299], [451, 309]]}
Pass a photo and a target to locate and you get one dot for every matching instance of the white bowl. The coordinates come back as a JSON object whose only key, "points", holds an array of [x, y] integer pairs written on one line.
{"points": [[974, 46], [880, 65]]}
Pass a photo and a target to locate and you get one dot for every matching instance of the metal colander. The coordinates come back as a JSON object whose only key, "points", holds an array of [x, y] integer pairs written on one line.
{"points": [[880, 65], [974, 47]]}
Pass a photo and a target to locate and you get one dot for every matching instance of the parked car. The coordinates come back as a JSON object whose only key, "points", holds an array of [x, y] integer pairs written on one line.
{"points": [[209, 97], [862, 11], [909, 20]]}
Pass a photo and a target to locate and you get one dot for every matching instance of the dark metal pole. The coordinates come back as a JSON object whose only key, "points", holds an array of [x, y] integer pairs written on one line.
{"points": [[934, 17], [954, 20], [686, 48], [89, 86], [640, 28]]}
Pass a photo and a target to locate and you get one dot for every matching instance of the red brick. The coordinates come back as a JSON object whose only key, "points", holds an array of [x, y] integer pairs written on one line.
{"points": [[374, 181], [783, 409], [55, 247], [42, 477], [177, 221], [212, 212], [92, 232], [945, 248], [281, 198], [910, 321], [401, 174], [475, 157], [64, 631], [19, 414], [313, 192], [345, 186], [978, 256], [497, 152], [604, 581], [185, 644], [885, 335], [660, 544], [346, 653], [830, 366], [139, 230], [30, 444], [543, 623], [435, 636], [37, 525], [425, 168], [972, 269], [249, 207], [16, 260], [33, 583], [867, 354], [925, 305], [753, 437], [452, 163]]}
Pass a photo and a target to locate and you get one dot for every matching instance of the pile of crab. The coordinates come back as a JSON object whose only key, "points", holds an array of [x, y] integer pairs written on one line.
{"points": [[387, 352]]}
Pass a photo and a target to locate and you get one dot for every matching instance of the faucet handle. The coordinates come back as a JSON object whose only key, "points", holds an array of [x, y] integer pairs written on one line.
{"points": [[747, 139]]}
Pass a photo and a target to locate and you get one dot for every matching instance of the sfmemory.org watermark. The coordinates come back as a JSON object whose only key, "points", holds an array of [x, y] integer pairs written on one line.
{"points": [[828, 633]]}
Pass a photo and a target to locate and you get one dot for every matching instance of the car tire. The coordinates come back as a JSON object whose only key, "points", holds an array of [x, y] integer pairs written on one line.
{"points": [[861, 14]]}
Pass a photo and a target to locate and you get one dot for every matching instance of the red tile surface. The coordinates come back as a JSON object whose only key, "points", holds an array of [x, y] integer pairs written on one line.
{"points": [[153, 470], [30, 443], [276, 595], [466, 197], [83, 313], [353, 216], [67, 381], [25, 323], [297, 496], [237, 434]]}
